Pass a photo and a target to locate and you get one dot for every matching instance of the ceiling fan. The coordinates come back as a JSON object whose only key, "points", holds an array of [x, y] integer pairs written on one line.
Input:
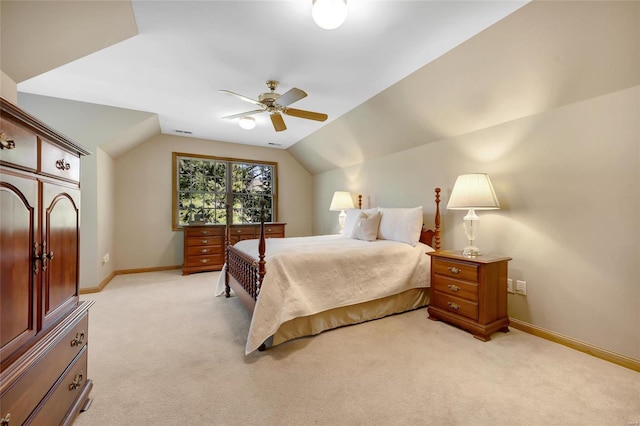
{"points": [[276, 105]]}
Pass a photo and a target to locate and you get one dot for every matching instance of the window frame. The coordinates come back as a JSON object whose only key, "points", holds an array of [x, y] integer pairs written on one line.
{"points": [[175, 219]]}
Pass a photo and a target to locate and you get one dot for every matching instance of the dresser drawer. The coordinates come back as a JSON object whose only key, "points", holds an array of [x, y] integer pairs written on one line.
{"points": [[66, 391], [454, 269], [25, 151], [249, 231], [455, 305], [204, 232], [57, 162], [205, 241], [29, 389], [204, 250], [464, 289], [272, 231], [195, 261]]}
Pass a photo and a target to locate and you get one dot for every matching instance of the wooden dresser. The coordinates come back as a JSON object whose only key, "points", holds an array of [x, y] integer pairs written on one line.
{"points": [[470, 292], [43, 325], [204, 245]]}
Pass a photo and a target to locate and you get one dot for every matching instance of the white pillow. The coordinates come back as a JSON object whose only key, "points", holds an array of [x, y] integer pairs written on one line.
{"points": [[404, 225], [350, 220], [366, 227]]}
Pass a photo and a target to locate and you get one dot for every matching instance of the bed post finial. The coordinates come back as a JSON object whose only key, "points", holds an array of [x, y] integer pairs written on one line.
{"points": [[437, 233], [360, 201]]}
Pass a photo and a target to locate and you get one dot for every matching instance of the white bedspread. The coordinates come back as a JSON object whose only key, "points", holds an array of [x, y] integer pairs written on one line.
{"points": [[308, 275]]}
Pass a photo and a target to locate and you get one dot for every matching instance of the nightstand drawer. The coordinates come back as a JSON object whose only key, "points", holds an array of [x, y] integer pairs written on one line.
{"points": [[463, 289], [455, 305], [454, 269]]}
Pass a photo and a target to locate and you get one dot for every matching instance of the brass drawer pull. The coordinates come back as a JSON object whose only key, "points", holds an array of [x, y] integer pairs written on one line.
{"points": [[204, 232], [204, 250], [453, 270], [268, 229], [453, 305], [6, 143], [79, 339], [204, 241], [62, 165], [5, 420], [204, 260], [453, 287], [77, 381], [239, 231]]}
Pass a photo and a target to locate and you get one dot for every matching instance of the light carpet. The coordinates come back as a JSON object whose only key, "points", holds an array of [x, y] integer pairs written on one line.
{"points": [[164, 350]]}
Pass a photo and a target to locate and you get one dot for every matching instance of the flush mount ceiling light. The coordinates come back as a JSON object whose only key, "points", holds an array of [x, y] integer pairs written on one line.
{"points": [[247, 123], [329, 14]]}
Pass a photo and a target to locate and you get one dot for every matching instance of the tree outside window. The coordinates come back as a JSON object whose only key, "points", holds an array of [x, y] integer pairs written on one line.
{"points": [[203, 186]]}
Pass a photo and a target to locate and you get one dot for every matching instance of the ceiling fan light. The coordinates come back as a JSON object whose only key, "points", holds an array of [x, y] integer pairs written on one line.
{"points": [[247, 123], [329, 14]]}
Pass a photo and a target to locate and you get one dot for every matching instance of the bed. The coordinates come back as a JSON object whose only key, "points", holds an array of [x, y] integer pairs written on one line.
{"points": [[302, 286]]}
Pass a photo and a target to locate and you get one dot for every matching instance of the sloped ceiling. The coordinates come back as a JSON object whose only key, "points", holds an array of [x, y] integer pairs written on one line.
{"points": [[525, 64], [38, 36]]}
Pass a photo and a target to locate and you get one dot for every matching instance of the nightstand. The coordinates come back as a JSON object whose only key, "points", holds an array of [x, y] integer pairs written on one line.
{"points": [[470, 292]]}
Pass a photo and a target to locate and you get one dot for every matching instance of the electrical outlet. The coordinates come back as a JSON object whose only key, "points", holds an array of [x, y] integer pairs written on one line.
{"points": [[510, 285], [105, 259], [521, 287]]}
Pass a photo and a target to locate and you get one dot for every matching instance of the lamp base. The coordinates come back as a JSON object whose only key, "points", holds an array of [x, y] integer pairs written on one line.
{"points": [[471, 251]]}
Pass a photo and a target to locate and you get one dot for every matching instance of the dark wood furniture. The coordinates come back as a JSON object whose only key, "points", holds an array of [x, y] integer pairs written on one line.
{"points": [[204, 245], [43, 325], [470, 292], [245, 275]]}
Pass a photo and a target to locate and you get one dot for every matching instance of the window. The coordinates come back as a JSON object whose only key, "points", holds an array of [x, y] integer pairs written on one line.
{"points": [[204, 185]]}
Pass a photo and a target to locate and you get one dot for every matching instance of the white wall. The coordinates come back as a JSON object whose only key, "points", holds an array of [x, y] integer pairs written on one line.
{"points": [[569, 185], [106, 192], [144, 236], [547, 102]]}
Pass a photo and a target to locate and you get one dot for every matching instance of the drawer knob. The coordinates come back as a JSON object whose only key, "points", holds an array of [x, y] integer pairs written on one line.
{"points": [[79, 339], [6, 143], [453, 306], [204, 260], [77, 381], [62, 165], [204, 250], [268, 229], [453, 287], [204, 241], [5, 420], [453, 270]]}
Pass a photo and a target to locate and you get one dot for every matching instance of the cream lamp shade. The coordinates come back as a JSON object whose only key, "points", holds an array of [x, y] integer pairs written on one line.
{"points": [[329, 14], [472, 192], [340, 202]]}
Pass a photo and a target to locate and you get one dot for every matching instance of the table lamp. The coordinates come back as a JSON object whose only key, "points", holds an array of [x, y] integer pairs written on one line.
{"points": [[472, 192], [341, 201]]}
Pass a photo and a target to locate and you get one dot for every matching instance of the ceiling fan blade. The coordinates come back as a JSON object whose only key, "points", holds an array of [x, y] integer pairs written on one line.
{"points": [[244, 98], [278, 122], [310, 115], [291, 96], [242, 114]]}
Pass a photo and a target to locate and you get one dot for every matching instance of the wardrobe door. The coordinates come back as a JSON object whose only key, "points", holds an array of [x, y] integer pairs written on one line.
{"points": [[60, 250], [18, 219]]}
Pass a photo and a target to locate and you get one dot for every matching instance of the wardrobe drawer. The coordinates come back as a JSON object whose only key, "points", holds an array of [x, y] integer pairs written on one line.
{"points": [[453, 269], [24, 154], [65, 392], [455, 305], [28, 390], [464, 289], [57, 162]]}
